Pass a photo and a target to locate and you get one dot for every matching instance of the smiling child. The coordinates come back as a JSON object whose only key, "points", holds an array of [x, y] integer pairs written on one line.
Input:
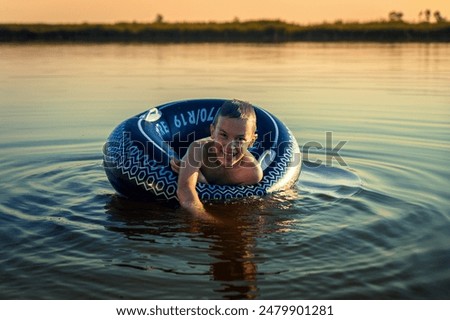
{"points": [[223, 158]]}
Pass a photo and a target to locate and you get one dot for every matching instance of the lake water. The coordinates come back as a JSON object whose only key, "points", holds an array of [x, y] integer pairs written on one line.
{"points": [[371, 222]]}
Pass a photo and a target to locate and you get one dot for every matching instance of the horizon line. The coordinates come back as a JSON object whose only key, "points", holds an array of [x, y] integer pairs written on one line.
{"points": [[235, 20]]}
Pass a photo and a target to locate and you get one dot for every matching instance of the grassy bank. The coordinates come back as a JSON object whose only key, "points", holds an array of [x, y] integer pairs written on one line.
{"points": [[251, 31]]}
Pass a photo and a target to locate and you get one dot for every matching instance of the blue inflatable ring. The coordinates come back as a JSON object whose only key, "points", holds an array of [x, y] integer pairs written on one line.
{"points": [[137, 153]]}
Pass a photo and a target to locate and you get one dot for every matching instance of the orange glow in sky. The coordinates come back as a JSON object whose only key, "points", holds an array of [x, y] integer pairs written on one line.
{"points": [[109, 11]]}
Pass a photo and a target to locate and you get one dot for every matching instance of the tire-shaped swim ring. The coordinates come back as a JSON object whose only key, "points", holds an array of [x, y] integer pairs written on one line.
{"points": [[137, 153]]}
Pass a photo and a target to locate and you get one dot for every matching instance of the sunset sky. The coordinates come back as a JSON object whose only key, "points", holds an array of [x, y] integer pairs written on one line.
{"points": [[298, 11]]}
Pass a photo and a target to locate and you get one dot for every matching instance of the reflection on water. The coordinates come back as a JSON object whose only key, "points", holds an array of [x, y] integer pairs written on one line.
{"points": [[375, 228], [229, 246]]}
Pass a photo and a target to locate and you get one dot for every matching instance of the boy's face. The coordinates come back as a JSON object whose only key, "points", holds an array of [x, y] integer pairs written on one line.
{"points": [[232, 137]]}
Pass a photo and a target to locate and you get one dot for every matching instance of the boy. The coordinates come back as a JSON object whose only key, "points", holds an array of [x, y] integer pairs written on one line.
{"points": [[222, 158]]}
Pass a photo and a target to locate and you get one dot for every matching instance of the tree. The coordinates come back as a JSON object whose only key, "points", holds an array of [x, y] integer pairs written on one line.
{"points": [[159, 18], [395, 16], [427, 15], [438, 17]]}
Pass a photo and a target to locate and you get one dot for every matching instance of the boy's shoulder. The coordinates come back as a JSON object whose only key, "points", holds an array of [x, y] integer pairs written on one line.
{"points": [[250, 169], [198, 145], [202, 142]]}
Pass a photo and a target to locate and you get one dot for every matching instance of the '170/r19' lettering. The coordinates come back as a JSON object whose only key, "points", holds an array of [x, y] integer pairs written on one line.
{"points": [[193, 117]]}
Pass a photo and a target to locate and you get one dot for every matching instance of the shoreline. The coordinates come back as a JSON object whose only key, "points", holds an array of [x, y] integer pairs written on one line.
{"points": [[263, 31]]}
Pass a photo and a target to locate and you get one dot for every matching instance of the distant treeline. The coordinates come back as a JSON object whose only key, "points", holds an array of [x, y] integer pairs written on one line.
{"points": [[251, 31]]}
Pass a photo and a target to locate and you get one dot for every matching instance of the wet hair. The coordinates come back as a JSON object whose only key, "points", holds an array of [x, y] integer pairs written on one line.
{"points": [[236, 109]]}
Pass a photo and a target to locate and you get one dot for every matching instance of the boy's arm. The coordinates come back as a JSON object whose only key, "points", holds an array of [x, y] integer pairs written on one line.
{"points": [[187, 180]]}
